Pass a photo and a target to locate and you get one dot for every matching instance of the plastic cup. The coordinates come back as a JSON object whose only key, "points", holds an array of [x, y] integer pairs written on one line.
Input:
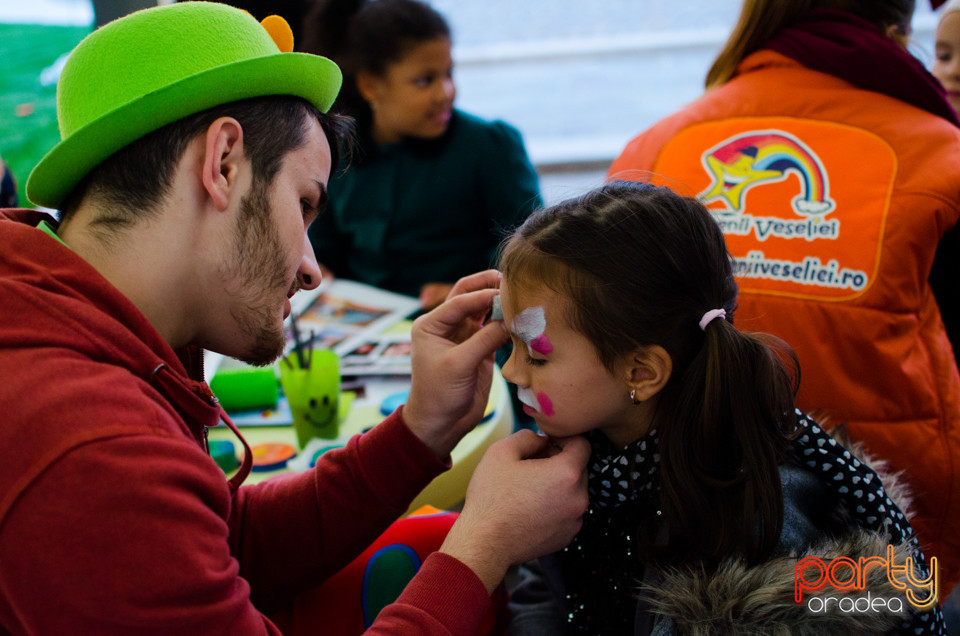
{"points": [[313, 392]]}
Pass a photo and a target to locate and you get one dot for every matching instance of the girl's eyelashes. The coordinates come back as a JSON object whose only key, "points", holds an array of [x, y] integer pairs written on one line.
{"points": [[536, 362], [520, 346]]}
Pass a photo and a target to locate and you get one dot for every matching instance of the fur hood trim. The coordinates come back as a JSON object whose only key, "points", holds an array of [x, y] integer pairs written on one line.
{"points": [[736, 599], [760, 600]]}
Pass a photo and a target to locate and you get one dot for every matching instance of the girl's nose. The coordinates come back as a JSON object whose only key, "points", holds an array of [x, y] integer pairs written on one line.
{"points": [[449, 88], [954, 67], [510, 371]]}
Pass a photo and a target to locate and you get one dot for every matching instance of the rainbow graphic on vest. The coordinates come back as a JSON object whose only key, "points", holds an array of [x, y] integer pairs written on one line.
{"points": [[759, 157]]}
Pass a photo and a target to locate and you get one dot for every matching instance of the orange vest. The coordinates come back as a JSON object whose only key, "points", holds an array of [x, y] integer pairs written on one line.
{"points": [[833, 200]]}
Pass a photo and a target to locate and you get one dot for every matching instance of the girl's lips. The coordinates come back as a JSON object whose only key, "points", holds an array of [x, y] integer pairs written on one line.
{"points": [[530, 410]]}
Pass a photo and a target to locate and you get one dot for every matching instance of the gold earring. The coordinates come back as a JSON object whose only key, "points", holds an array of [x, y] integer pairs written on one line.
{"points": [[633, 397]]}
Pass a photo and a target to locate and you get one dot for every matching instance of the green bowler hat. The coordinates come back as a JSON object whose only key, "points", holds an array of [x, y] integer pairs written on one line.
{"points": [[155, 66]]}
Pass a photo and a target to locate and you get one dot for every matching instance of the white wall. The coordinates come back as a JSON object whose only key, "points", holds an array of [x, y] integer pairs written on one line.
{"points": [[580, 78]]}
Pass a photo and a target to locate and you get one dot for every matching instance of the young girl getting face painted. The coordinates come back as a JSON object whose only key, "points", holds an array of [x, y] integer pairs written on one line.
{"points": [[561, 381], [620, 307]]}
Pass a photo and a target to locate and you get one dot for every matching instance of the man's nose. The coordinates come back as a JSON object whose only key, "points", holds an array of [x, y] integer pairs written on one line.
{"points": [[309, 272]]}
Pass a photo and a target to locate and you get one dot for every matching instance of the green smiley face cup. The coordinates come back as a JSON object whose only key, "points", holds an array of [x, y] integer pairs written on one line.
{"points": [[313, 392]]}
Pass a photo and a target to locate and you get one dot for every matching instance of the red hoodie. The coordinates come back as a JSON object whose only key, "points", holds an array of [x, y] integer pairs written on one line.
{"points": [[113, 518]]}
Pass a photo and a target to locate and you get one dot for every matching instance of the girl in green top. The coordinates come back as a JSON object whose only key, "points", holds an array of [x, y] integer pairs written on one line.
{"points": [[432, 190]]}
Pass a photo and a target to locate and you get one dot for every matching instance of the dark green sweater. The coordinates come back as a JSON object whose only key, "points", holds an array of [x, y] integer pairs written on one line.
{"points": [[417, 212]]}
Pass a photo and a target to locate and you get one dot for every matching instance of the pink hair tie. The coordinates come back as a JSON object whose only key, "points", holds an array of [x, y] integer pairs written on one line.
{"points": [[710, 315]]}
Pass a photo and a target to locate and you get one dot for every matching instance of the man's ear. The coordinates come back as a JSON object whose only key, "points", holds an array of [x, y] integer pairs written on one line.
{"points": [[222, 158], [648, 370]]}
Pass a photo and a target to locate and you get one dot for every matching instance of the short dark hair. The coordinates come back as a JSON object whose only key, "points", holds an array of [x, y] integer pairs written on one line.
{"points": [[133, 181]]}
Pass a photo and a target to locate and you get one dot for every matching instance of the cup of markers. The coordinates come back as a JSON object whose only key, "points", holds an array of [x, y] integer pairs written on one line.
{"points": [[311, 382]]}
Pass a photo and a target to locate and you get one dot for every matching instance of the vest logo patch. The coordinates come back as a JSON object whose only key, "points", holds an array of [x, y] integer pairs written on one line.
{"points": [[790, 229], [759, 157]]}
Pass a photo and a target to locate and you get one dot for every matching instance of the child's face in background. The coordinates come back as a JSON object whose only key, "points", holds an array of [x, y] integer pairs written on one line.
{"points": [[414, 96], [561, 381], [946, 64]]}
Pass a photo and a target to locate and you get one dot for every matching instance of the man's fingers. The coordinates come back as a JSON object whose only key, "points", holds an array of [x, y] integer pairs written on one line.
{"points": [[474, 282], [576, 445], [448, 316], [525, 443], [484, 342]]}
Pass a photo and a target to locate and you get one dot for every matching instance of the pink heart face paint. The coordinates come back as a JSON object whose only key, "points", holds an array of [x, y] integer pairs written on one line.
{"points": [[539, 402], [529, 326], [546, 405], [541, 344]]}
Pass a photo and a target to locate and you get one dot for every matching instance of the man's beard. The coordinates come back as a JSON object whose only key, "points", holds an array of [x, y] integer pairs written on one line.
{"points": [[259, 270]]}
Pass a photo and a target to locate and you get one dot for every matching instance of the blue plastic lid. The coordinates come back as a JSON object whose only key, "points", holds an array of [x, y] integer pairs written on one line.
{"points": [[392, 402], [316, 456]]}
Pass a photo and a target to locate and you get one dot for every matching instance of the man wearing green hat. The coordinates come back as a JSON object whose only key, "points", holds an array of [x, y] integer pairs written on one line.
{"points": [[195, 152]]}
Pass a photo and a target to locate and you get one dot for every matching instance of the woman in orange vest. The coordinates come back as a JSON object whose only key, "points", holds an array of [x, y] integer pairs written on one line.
{"points": [[830, 157]]}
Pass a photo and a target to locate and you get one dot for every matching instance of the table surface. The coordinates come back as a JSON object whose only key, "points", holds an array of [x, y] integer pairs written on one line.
{"points": [[445, 491]]}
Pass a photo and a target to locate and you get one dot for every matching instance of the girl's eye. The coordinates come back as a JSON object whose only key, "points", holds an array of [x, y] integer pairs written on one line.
{"points": [[536, 362]]}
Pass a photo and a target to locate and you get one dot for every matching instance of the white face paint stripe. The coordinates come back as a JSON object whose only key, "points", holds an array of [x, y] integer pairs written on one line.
{"points": [[529, 323], [526, 396]]}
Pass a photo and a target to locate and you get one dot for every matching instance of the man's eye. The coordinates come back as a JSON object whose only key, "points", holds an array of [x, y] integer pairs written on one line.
{"points": [[306, 208]]}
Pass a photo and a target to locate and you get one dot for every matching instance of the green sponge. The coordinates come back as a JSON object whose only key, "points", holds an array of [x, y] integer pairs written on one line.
{"points": [[245, 387]]}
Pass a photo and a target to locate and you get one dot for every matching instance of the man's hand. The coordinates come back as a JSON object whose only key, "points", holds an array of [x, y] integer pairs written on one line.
{"points": [[452, 364], [527, 498]]}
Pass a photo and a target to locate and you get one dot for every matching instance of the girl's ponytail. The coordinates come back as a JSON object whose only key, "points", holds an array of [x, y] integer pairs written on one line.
{"points": [[726, 425]]}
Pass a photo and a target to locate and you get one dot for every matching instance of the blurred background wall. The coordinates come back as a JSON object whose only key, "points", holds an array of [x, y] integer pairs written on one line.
{"points": [[577, 78]]}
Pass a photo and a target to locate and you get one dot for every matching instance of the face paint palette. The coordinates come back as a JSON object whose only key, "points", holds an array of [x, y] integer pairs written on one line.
{"points": [[271, 456]]}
